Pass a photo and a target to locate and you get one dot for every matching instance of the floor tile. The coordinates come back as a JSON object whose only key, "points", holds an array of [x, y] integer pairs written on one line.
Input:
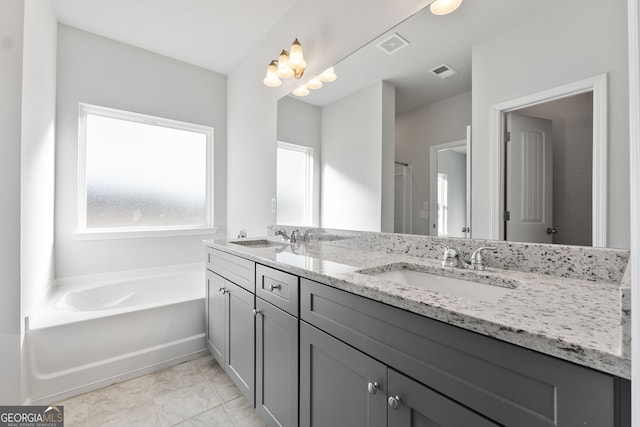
{"points": [[195, 393], [242, 413]]}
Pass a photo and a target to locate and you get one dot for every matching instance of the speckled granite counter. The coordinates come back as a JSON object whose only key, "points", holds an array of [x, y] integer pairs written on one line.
{"points": [[576, 312]]}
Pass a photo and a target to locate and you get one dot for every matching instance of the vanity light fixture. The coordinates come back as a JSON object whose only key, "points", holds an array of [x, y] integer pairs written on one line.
{"points": [[328, 75], [314, 83], [272, 79], [301, 91], [288, 64], [444, 7]]}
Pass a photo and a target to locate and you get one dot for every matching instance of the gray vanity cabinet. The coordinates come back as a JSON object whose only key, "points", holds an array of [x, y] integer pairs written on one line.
{"points": [[339, 386], [241, 340], [505, 383], [276, 365], [216, 317], [277, 347], [230, 317], [412, 404]]}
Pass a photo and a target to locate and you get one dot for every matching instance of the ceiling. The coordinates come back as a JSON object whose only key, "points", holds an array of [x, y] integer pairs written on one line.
{"points": [[433, 41], [213, 34]]}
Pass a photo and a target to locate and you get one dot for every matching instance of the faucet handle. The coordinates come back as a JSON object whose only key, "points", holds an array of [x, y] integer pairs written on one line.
{"points": [[477, 263]]}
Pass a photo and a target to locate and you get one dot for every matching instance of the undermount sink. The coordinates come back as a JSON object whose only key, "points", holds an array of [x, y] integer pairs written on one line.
{"points": [[443, 284], [258, 243]]}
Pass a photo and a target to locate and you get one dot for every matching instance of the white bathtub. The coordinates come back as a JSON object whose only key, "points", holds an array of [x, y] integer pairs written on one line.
{"points": [[93, 331]]}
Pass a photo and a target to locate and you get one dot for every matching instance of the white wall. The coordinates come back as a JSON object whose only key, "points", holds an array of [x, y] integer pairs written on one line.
{"points": [[352, 161], [572, 120], [416, 130], [595, 44], [299, 123], [37, 158], [38, 151], [326, 37], [11, 57], [104, 72]]}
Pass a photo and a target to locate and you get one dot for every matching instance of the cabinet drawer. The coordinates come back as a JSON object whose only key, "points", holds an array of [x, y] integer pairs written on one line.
{"points": [[233, 268], [504, 382], [278, 288]]}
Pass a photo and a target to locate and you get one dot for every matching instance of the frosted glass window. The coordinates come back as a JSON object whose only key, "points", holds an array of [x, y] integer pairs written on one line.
{"points": [[294, 184], [143, 173]]}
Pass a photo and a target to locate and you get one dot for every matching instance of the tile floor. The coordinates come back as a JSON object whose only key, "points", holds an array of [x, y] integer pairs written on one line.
{"points": [[195, 393]]}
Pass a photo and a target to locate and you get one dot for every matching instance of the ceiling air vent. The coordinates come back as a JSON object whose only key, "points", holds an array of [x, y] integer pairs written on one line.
{"points": [[443, 71], [392, 44]]}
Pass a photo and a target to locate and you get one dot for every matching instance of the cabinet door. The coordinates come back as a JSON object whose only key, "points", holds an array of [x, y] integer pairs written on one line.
{"points": [[276, 365], [412, 404], [241, 340], [334, 382], [216, 317]]}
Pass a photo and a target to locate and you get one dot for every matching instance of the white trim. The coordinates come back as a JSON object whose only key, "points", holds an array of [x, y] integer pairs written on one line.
{"points": [[597, 85], [119, 233], [433, 178], [84, 233], [634, 154]]}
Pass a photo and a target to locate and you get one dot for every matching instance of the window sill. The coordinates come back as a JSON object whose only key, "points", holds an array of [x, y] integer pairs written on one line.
{"points": [[143, 234]]}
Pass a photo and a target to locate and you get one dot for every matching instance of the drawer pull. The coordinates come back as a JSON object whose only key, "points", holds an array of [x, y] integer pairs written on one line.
{"points": [[373, 387], [395, 402], [273, 287]]}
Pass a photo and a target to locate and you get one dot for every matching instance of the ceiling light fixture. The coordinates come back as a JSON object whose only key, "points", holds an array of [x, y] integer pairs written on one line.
{"points": [[288, 64], [444, 7]]}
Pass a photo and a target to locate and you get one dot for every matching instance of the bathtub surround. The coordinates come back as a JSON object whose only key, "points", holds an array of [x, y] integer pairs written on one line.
{"points": [[95, 330], [572, 311]]}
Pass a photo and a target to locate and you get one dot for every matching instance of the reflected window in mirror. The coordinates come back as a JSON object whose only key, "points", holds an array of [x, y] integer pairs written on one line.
{"points": [[294, 184]]}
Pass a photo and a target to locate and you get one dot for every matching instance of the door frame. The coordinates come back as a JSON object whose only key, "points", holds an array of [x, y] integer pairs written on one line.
{"points": [[433, 178], [597, 85]]}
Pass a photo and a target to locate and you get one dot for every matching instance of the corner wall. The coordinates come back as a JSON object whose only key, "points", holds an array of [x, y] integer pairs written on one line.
{"points": [[11, 58]]}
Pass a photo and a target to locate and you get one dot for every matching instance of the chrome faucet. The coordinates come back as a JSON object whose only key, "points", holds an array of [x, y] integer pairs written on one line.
{"points": [[452, 258], [282, 232], [293, 238]]}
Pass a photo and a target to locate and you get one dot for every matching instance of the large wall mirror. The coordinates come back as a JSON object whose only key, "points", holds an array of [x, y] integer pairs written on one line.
{"points": [[405, 140]]}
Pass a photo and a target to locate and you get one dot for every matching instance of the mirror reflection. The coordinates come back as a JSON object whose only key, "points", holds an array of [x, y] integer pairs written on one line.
{"points": [[378, 138]]}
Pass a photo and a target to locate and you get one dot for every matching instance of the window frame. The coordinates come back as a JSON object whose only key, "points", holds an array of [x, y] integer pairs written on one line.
{"points": [[309, 179], [94, 233]]}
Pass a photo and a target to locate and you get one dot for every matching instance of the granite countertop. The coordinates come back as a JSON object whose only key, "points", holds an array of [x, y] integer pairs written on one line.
{"points": [[571, 318]]}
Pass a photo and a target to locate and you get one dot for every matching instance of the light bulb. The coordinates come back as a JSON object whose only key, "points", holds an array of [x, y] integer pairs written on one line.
{"points": [[284, 70], [314, 83], [272, 79], [443, 7], [296, 58], [301, 91], [328, 75]]}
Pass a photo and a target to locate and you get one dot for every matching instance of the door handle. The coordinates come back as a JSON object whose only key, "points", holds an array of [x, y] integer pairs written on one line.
{"points": [[551, 230]]}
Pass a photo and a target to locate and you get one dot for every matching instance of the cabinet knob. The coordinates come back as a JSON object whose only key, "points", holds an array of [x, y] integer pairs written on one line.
{"points": [[373, 387], [273, 287], [395, 402], [256, 311], [223, 290]]}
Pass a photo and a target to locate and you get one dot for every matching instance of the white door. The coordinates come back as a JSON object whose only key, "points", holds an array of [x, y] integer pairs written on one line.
{"points": [[402, 199], [529, 180]]}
